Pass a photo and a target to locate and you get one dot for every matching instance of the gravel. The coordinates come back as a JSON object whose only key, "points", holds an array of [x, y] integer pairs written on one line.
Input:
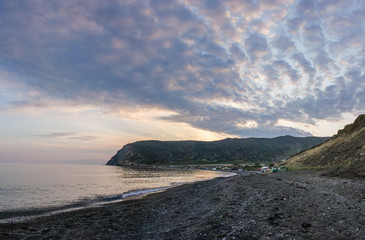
{"points": [[291, 205]]}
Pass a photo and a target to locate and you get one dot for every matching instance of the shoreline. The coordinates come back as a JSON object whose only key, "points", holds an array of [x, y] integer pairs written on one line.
{"points": [[16, 216], [25, 215], [292, 205]]}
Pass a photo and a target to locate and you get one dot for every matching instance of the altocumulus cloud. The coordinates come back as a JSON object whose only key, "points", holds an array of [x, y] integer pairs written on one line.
{"points": [[234, 67]]}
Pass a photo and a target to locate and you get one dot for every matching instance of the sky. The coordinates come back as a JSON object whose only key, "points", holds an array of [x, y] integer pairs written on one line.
{"points": [[81, 78]]}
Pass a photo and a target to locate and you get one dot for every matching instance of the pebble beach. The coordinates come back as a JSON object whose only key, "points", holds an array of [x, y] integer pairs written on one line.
{"points": [[288, 205]]}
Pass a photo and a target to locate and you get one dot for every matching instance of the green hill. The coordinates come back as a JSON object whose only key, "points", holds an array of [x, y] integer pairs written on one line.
{"points": [[244, 150], [343, 154]]}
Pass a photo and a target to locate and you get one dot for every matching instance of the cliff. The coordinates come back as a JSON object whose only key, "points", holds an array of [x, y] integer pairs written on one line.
{"points": [[249, 150], [343, 154]]}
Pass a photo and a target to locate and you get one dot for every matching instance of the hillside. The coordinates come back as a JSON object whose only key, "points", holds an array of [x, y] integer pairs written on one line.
{"points": [[249, 150], [343, 154]]}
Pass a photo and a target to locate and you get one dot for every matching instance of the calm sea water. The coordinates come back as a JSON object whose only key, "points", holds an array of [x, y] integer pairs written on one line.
{"points": [[34, 189]]}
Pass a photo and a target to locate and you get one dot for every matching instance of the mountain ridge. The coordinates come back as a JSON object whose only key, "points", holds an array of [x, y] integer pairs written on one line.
{"points": [[250, 150]]}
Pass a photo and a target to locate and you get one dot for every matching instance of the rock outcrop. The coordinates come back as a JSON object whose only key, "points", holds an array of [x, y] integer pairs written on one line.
{"points": [[249, 150], [343, 154]]}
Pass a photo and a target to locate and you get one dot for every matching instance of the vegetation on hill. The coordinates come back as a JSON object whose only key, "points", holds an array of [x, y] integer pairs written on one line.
{"points": [[343, 154], [245, 150]]}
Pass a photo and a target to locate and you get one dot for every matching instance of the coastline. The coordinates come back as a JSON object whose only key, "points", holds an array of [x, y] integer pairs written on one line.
{"points": [[24, 215], [15, 216], [293, 205]]}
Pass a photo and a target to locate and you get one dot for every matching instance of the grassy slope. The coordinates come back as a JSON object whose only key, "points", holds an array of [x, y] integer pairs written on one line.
{"points": [[341, 154]]}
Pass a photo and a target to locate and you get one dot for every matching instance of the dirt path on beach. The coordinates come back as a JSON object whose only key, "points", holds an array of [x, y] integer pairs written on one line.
{"points": [[293, 205]]}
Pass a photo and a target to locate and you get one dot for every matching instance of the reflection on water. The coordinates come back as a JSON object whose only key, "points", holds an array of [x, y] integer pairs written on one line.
{"points": [[37, 186]]}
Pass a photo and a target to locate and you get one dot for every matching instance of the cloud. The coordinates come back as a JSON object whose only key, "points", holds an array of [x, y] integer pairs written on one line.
{"points": [[56, 134], [68, 135], [307, 8], [217, 65], [257, 47], [304, 65], [284, 45], [295, 24], [330, 6], [286, 70], [237, 53]]}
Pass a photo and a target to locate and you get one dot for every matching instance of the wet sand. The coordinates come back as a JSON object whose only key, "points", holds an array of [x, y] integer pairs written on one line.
{"points": [[293, 205]]}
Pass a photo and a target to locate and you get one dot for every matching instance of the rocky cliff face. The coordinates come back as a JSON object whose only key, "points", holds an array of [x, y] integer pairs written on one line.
{"points": [[344, 153], [252, 150], [357, 126], [125, 153]]}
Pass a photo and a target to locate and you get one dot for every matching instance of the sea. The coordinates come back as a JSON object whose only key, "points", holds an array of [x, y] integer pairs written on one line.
{"points": [[29, 190]]}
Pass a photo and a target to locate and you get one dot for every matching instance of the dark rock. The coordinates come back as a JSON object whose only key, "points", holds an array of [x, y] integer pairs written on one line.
{"points": [[306, 225]]}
